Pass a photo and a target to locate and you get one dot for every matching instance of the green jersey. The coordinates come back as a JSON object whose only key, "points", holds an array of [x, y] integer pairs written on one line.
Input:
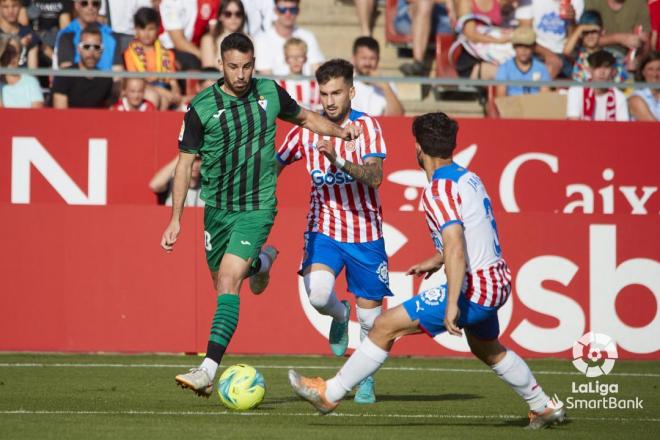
{"points": [[235, 137]]}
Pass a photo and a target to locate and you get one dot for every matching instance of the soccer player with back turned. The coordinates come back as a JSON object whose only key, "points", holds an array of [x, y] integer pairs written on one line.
{"points": [[231, 125]]}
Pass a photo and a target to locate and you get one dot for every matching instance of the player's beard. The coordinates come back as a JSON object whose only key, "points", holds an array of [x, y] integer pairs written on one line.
{"points": [[340, 117]]}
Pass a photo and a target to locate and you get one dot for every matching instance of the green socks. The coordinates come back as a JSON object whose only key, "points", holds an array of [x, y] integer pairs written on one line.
{"points": [[226, 319]]}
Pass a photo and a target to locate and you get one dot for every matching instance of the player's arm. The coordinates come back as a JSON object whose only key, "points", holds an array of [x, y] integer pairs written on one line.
{"points": [[191, 139], [427, 267], [292, 112], [371, 173], [454, 259], [182, 176]]}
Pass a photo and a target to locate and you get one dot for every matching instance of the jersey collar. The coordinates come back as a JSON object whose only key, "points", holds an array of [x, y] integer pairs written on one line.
{"points": [[452, 171]]}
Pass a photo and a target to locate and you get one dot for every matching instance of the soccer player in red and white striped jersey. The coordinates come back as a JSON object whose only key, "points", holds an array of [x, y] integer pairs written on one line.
{"points": [[462, 225], [344, 227]]}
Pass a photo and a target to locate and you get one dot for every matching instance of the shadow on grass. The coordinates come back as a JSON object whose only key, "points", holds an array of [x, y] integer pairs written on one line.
{"points": [[426, 397]]}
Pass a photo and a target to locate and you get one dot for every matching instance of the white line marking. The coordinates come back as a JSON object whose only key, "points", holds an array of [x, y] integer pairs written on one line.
{"points": [[309, 414], [306, 367]]}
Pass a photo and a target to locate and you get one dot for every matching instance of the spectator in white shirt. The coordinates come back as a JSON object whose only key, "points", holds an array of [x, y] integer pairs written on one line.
{"points": [[589, 104], [269, 46], [184, 22], [552, 26], [375, 98]]}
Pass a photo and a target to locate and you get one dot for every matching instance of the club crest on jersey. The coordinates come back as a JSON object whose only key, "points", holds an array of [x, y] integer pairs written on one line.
{"points": [[263, 102], [350, 146], [433, 297], [383, 273]]}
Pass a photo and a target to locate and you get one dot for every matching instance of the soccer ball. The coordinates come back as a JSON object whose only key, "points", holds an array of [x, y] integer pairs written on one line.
{"points": [[241, 387]]}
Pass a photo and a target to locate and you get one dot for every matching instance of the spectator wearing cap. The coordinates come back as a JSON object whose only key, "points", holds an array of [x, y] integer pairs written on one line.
{"points": [[644, 104], [375, 98], [523, 66], [17, 91], [621, 22], [585, 40], [69, 38], [602, 104], [80, 91], [269, 46]]}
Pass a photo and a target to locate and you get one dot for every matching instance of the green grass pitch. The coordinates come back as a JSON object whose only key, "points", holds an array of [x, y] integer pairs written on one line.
{"points": [[135, 397]]}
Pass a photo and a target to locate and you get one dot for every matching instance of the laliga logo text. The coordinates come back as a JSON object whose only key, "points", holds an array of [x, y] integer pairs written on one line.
{"points": [[594, 355]]}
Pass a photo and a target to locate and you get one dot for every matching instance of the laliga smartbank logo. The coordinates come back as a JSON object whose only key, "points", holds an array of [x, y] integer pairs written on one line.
{"points": [[594, 355]]}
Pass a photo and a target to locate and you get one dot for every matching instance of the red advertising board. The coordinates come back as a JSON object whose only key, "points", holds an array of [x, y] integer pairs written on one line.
{"points": [[576, 204]]}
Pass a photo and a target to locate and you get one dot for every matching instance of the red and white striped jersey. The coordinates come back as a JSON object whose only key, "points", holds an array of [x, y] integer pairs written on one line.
{"points": [[305, 92], [456, 195], [340, 207]]}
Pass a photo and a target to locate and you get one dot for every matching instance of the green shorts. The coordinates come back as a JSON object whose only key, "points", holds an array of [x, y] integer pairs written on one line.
{"points": [[240, 233]]}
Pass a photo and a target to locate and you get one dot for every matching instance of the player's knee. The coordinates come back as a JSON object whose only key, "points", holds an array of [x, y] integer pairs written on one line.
{"points": [[319, 285], [228, 283], [367, 317]]}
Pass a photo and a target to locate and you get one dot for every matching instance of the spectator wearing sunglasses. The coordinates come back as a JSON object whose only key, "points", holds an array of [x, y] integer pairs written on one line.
{"points": [[269, 47], [84, 92], [67, 51], [231, 18], [185, 22]]}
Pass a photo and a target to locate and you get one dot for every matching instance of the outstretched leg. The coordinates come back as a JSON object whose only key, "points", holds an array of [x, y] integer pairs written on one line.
{"points": [[365, 361], [513, 370]]}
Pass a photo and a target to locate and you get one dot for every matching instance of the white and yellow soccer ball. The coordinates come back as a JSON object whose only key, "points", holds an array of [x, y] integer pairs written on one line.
{"points": [[241, 387]]}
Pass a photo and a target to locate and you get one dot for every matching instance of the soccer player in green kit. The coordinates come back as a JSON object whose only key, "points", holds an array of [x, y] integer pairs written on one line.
{"points": [[231, 125]]}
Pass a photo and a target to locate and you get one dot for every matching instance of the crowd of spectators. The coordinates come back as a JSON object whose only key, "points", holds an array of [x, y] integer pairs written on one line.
{"points": [[494, 39]]}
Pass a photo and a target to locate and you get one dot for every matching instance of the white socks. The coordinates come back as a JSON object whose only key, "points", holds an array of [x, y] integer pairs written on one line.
{"points": [[515, 372], [366, 317], [364, 362], [211, 367], [319, 285]]}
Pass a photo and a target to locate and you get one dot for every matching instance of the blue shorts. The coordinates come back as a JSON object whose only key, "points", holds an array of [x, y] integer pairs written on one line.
{"points": [[429, 307], [366, 263]]}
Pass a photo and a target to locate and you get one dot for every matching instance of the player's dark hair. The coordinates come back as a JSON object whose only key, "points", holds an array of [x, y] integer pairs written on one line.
{"points": [[436, 134], [145, 16], [237, 41], [335, 68], [368, 42], [92, 29], [601, 58]]}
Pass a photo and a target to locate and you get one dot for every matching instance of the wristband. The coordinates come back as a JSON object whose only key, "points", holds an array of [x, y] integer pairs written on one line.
{"points": [[340, 162]]}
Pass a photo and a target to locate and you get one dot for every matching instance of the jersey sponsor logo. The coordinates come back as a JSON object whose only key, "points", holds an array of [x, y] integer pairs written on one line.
{"points": [[339, 178], [217, 115]]}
